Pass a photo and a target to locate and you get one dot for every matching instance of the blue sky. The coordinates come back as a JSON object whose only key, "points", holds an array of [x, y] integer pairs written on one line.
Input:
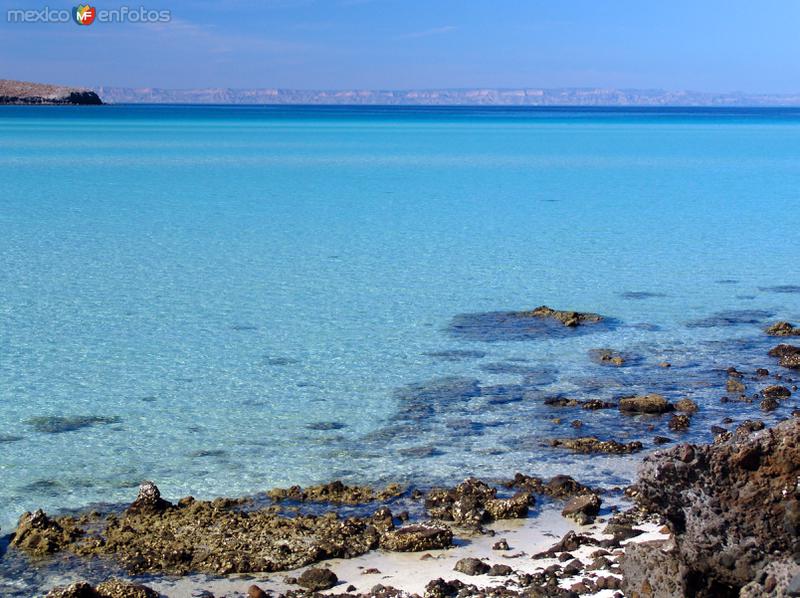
{"points": [[705, 45]]}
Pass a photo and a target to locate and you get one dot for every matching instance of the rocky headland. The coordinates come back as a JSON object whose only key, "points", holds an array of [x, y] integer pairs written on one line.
{"points": [[22, 92]]}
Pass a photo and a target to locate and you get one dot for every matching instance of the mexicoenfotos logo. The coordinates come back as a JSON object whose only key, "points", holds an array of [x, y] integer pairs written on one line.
{"points": [[85, 14]]}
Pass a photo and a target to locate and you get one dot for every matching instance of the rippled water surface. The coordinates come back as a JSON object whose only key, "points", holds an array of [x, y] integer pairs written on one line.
{"points": [[228, 299]]}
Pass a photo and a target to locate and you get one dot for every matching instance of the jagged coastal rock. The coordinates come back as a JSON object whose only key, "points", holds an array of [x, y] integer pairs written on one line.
{"points": [[22, 92], [734, 509]]}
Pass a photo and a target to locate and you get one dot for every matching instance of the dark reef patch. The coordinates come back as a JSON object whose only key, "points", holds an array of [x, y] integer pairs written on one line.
{"points": [[204, 453], [733, 317], [9, 438], [456, 354], [56, 424], [533, 374], [43, 488], [782, 288], [420, 402], [280, 361], [640, 295], [542, 322], [326, 426]]}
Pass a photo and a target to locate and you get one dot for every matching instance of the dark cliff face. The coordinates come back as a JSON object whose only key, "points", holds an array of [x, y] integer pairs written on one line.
{"points": [[22, 93], [74, 99]]}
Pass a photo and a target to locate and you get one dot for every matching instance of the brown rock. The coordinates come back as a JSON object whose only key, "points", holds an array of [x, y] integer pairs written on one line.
{"points": [[567, 318], [336, 493], [499, 570], [769, 404], [416, 538], [776, 392], [590, 444], [607, 357], [582, 509], [734, 386], [723, 541], [783, 329], [255, 592], [113, 588], [317, 579], [651, 403], [38, 535], [679, 423], [687, 406], [471, 566]]}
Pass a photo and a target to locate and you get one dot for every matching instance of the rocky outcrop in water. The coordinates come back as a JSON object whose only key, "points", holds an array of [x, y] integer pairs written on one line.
{"points": [[590, 444], [734, 509], [608, 357], [788, 356], [783, 329], [652, 403], [539, 322], [22, 92], [565, 317]]}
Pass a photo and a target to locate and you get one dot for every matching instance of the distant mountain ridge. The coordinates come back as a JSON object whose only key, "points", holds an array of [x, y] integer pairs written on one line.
{"points": [[23, 92], [444, 97]]}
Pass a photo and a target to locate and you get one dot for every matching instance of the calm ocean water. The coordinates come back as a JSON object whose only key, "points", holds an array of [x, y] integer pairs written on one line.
{"points": [[228, 299]]}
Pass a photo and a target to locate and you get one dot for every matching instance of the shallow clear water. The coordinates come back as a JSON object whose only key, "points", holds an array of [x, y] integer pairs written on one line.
{"points": [[212, 280]]}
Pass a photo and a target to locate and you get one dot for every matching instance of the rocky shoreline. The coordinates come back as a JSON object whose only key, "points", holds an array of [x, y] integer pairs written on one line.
{"points": [[24, 93], [719, 519]]}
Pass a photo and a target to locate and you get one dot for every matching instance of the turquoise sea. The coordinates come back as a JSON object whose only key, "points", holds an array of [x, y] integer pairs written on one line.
{"points": [[228, 299]]}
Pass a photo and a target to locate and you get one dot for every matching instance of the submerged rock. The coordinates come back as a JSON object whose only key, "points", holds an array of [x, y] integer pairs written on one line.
{"points": [[590, 444], [709, 493], [590, 404], [56, 424], [734, 386], [734, 317], [652, 403], [782, 288], [608, 357], [540, 322], [769, 404]]}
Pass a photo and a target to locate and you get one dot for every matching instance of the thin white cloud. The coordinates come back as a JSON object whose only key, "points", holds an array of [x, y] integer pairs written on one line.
{"points": [[429, 32]]}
